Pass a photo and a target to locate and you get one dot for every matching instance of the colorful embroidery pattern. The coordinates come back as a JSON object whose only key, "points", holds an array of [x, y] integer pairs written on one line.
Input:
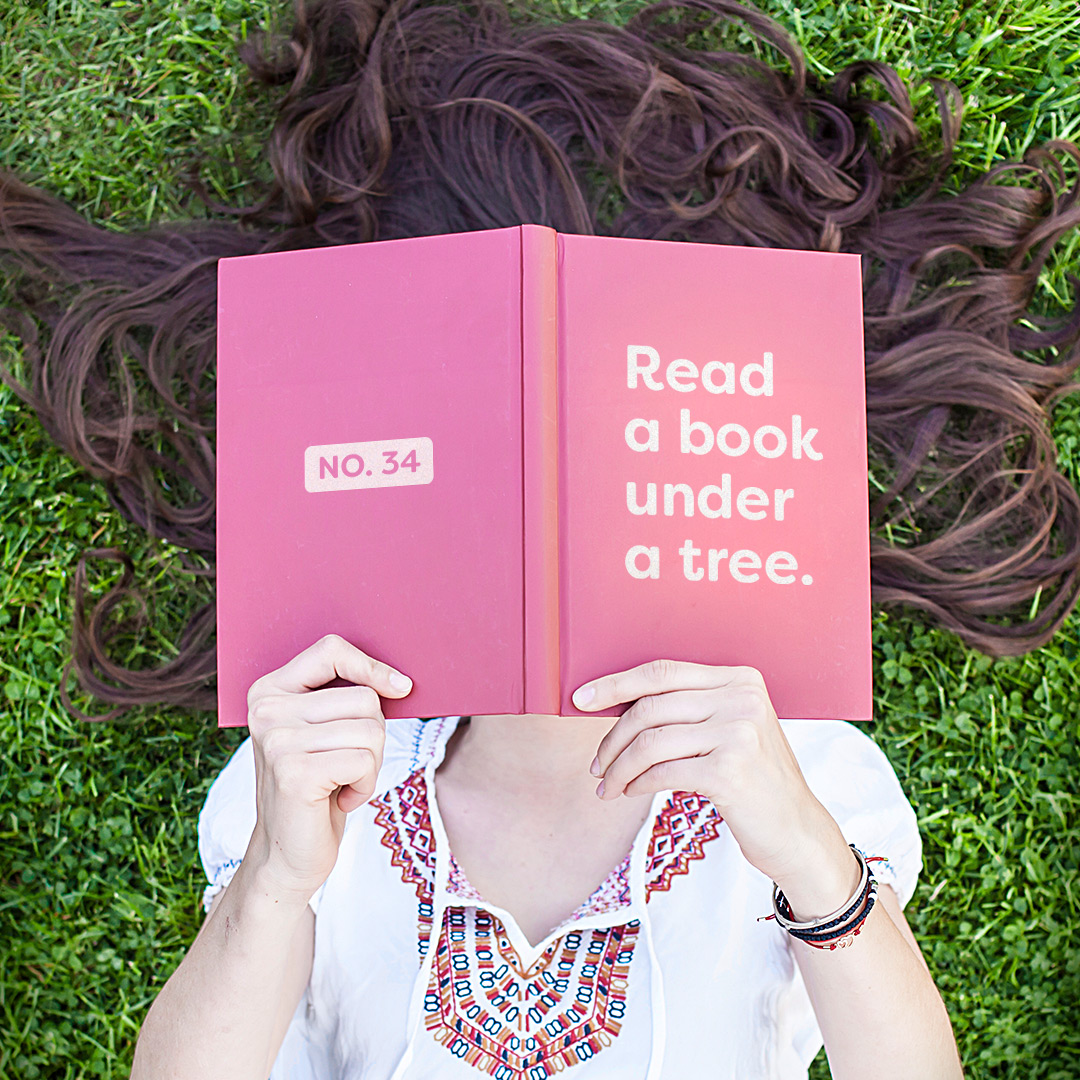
{"points": [[460, 884], [481, 1004], [530, 1023], [403, 814], [612, 894], [683, 827]]}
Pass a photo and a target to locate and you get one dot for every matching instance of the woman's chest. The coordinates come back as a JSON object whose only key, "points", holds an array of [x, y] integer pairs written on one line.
{"points": [[584, 1002], [539, 864]]}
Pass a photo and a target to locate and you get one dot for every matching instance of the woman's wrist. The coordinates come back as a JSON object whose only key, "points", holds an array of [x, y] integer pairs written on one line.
{"points": [[263, 891], [827, 877]]}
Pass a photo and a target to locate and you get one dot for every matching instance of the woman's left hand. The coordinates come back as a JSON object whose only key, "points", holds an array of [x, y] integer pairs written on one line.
{"points": [[713, 730]]}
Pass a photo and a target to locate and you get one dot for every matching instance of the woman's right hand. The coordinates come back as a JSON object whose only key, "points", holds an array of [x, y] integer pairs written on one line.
{"points": [[317, 756]]}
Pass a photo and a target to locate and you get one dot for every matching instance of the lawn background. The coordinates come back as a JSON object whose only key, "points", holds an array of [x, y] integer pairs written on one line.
{"points": [[104, 104]]}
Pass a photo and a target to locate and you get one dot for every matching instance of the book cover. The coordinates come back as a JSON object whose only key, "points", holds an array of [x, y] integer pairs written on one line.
{"points": [[509, 461]]}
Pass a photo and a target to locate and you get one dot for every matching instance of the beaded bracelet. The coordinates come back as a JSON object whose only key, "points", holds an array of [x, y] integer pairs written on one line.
{"points": [[821, 931], [838, 928], [842, 937]]}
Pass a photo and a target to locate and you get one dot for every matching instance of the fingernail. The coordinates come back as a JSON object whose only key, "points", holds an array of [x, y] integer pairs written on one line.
{"points": [[400, 682], [594, 768], [583, 695], [600, 789]]}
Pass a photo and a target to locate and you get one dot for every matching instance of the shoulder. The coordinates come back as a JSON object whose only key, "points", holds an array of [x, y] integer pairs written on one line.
{"points": [[854, 780], [226, 820], [232, 794], [826, 749]]}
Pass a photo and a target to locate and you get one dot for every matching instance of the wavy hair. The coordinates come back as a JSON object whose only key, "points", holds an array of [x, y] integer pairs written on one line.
{"points": [[406, 118]]}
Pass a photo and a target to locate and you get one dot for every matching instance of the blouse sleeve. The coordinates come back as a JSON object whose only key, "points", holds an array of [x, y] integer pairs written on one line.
{"points": [[225, 826], [227, 821], [854, 780]]}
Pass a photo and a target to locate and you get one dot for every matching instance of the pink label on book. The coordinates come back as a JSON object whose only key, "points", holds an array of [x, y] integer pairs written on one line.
{"points": [[384, 463]]}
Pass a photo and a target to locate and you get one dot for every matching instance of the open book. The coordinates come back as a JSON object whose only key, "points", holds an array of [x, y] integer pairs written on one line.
{"points": [[510, 461]]}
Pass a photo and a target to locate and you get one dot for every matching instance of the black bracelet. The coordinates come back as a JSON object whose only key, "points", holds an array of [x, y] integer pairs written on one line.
{"points": [[811, 936], [839, 926]]}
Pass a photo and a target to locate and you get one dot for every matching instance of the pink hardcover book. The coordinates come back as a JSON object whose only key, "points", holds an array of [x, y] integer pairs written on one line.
{"points": [[510, 461]]}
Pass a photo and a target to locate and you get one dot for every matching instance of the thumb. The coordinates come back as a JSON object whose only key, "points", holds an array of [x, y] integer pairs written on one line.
{"points": [[347, 799]]}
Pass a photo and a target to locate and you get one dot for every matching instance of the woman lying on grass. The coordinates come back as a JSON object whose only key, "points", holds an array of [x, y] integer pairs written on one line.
{"points": [[559, 922], [492, 895]]}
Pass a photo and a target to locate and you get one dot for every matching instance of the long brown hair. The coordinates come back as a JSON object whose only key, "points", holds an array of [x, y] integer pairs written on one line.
{"points": [[406, 118]]}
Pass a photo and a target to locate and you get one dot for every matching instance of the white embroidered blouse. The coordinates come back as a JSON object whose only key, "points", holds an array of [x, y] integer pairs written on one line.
{"points": [[663, 973]]}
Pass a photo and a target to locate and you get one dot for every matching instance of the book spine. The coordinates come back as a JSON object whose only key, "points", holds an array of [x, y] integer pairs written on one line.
{"points": [[540, 458]]}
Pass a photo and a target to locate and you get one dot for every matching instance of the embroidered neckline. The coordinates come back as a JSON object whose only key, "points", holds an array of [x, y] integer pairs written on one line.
{"points": [[481, 1003], [684, 824]]}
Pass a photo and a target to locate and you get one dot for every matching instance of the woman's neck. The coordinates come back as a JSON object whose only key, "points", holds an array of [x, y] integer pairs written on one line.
{"points": [[541, 758]]}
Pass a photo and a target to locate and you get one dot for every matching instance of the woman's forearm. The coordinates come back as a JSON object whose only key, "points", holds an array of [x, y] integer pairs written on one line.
{"points": [[225, 1009], [874, 998]]}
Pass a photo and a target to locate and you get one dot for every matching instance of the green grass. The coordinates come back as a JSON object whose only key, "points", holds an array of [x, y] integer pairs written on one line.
{"points": [[106, 105]]}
